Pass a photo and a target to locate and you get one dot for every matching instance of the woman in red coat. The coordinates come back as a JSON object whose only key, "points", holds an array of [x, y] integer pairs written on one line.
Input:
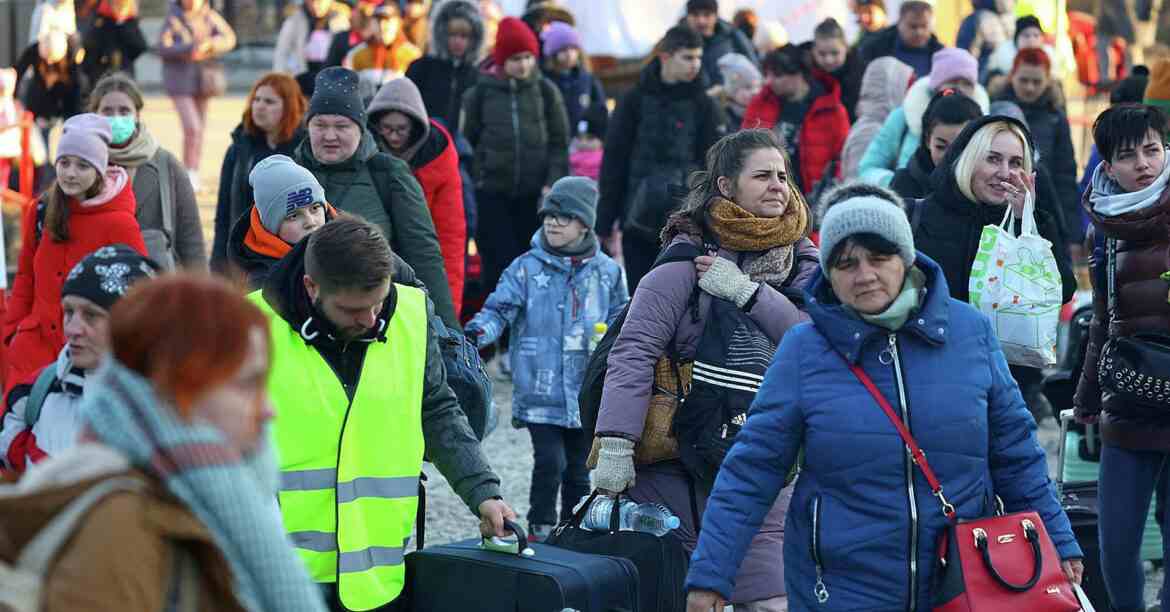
{"points": [[90, 205], [400, 124]]}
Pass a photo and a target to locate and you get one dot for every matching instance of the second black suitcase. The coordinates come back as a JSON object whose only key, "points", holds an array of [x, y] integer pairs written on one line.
{"points": [[465, 576]]}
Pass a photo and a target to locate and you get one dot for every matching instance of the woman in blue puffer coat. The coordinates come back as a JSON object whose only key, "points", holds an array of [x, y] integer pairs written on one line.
{"points": [[862, 524]]}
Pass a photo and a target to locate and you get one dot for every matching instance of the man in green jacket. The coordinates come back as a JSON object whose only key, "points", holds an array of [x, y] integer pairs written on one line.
{"points": [[361, 393], [360, 179]]}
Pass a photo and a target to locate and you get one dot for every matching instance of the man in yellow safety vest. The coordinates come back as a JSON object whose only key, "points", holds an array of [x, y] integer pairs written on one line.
{"points": [[360, 392]]}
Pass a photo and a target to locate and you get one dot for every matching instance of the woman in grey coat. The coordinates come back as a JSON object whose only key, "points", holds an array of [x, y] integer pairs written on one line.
{"points": [[748, 201], [193, 38], [166, 202]]}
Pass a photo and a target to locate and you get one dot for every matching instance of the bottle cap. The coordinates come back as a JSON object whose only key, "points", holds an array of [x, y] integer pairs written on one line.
{"points": [[600, 327]]}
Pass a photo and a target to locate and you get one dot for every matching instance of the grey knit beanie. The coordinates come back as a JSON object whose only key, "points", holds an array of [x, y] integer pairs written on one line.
{"points": [[279, 187], [575, 196], [864, 209]]}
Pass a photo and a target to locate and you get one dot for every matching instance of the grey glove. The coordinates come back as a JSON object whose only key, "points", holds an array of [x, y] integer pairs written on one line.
{"points": [[615, 464], [724, 280]]}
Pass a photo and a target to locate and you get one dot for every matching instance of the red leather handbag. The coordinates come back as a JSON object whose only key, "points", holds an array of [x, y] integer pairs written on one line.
{"points": [[1002, 562]]}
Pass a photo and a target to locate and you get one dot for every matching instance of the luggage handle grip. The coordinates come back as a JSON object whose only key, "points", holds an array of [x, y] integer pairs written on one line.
{"points": [[520, 548]]}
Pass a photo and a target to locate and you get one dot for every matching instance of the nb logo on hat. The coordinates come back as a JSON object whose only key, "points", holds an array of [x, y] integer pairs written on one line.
{"points": [[297, 199]]}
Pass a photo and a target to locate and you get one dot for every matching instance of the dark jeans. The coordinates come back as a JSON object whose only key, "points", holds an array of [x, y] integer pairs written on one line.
{"points": [[639, 255], [506, 226], [1126, 483], [559, 456]]}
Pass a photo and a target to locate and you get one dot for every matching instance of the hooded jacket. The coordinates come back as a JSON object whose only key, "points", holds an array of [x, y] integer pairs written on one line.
{"points": [[1053, 136], [435, 164], [551, 304], [901, 133], [442, 79], [123, 554], [822, 133], [181, 35], [32, 322], [726, 39], [950, 225], [882, 90], [912, 181], [519, 130], [235, 193], [59, 423], [656, 130], [450, 442], [1143, 246], [381, 189], [860, 509], [255, 250]]}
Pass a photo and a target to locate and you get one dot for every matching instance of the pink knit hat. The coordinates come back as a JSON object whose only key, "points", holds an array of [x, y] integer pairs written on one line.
{"points": [[87, 136], [950, 64]]}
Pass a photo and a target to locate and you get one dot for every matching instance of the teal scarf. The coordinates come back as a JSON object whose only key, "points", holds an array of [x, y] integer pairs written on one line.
{"points": [[232, 495], [908, 301]]}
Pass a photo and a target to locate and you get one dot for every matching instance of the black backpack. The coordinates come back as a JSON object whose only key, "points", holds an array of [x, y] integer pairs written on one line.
{"points": [[589, 398]]}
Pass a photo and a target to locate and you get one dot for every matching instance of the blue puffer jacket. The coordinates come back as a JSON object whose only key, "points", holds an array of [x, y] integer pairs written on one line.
{"points": [[853, 492], [551, 303]]}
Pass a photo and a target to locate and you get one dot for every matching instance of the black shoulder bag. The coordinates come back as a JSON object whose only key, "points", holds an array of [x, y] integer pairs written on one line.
{"points": [[1133, 371]]}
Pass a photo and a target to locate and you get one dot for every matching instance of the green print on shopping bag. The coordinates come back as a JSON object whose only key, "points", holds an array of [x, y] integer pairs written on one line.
{"points": [[1015, 282]]}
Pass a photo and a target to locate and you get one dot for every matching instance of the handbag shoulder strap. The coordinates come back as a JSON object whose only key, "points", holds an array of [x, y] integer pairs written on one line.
{"points": [[163, 167], [1111, 277], [916, 453]]}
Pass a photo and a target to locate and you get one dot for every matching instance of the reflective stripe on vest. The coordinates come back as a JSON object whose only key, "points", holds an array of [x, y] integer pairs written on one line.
{"points": [[349, 472]]}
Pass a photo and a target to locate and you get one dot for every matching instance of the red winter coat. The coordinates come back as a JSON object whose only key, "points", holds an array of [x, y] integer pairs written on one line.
{"points": [[822, 135], [436, 167], [32, 323]]}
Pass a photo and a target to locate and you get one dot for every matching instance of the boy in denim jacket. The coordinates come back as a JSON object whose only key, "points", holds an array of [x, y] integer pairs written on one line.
{"points": [[552, 296]]}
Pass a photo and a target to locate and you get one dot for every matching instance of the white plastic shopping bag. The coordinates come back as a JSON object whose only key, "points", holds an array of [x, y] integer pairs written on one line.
{"points": [[1016, 283]]}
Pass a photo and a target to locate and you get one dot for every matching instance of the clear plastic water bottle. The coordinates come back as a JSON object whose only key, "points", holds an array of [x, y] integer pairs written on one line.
{"points": [[599, 330], [647, 517]]}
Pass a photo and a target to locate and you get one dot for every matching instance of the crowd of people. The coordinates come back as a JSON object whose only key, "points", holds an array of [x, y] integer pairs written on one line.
{"points": [[754, 214]]}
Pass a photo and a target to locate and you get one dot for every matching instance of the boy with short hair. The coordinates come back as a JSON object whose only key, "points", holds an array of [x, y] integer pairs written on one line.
{"points": [[515, 120], [659, 133], [289, 205], [552, 297]]}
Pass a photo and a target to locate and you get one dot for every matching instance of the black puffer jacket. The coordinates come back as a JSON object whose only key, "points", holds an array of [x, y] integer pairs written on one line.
{"points": [[1143, 255], [1053, 138], [519, 130], [441, 79], [950, 225], [656, 130], [913, 180]]}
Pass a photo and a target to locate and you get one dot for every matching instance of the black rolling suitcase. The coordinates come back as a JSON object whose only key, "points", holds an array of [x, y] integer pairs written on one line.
{"points": [[1079, 500], [467, 576]]}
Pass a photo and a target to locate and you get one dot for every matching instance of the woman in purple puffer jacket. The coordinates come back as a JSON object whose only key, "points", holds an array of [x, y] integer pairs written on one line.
{"points": [[749, 204]]}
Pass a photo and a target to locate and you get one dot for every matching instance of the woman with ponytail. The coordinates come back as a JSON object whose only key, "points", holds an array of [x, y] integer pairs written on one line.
{"points": [[90, 205]]}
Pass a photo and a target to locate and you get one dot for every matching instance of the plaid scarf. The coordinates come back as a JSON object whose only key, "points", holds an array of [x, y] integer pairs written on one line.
{"points": [[230, 494]]}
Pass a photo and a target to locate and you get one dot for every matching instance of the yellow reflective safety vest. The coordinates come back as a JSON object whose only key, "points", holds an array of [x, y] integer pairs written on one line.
{"points": [[350, 470]]}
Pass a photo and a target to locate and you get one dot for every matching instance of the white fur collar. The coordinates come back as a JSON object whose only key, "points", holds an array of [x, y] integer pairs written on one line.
{"points": [[918, 98]]}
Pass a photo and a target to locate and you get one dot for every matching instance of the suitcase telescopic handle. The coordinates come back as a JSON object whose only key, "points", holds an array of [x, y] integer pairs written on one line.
{"points": [[519, 548]]}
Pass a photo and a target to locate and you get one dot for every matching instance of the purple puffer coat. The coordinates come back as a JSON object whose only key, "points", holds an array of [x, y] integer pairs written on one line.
{"points": [[182, 33], [659, 312]]}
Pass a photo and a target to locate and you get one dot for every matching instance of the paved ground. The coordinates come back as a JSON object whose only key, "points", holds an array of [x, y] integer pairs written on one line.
{"points": [[509, 450]]}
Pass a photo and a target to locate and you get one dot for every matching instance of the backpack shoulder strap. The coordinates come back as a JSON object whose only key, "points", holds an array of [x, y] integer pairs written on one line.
{"points": [[40, 552], [163, 167], [42, 211], [38, 394], [916, 205], [380, 166]]}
